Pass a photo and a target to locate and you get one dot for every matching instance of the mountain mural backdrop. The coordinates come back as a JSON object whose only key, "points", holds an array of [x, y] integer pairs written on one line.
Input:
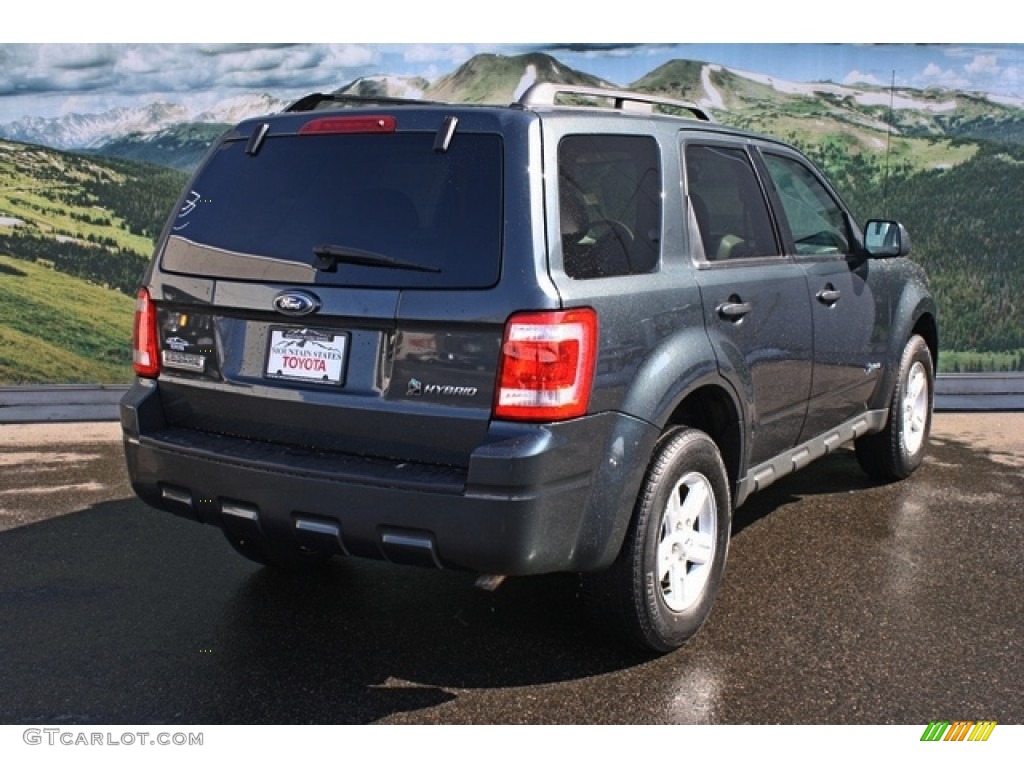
{"points": [[82, 197]]}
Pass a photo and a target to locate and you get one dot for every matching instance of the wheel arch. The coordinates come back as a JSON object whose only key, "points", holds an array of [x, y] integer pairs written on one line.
{"points": [[915, 314], [927, 328], [712, 409], [682, 384], [708, 405]]}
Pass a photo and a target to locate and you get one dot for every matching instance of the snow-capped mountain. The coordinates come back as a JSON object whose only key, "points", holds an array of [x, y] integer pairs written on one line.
{"points": [[238, 108], [387, 85], [77, 131], [91, 131]]}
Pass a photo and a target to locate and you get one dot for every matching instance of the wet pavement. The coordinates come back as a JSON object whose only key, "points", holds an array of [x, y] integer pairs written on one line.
{"points": [[843, 602]]}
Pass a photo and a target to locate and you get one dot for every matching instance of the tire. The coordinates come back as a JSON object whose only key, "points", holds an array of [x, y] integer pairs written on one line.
{"points": [[662, 586], [275, 555], [896, 451]]}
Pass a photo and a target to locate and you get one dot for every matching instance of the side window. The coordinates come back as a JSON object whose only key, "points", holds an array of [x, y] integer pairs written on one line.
{"points": [[728, 203], [815, 219], [609, 200]]}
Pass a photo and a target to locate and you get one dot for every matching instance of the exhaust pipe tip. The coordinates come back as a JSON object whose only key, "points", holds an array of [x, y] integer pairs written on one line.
{"points": [[489, 581]]}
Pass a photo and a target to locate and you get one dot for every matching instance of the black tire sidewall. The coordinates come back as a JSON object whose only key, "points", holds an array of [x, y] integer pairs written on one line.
{"points": [[681, 452], [903, 461]]}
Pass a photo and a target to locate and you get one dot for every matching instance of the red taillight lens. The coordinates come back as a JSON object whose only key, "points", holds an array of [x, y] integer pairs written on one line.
{"points": [[145, 349], [362, 124], [547, 365]]}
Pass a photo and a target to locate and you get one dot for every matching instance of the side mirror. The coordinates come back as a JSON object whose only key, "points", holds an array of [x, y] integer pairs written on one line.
{"points": [[886, 238]]}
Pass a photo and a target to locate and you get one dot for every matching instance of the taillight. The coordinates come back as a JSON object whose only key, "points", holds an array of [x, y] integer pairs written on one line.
{"points": [[547, 365], [145, 348], [358, 124]]}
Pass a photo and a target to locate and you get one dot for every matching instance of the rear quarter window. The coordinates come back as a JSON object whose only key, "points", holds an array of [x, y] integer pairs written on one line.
{"points": [[609, 197]]}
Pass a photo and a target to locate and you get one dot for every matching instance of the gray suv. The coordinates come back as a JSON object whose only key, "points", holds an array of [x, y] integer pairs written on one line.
{"points": [[569, 334]]}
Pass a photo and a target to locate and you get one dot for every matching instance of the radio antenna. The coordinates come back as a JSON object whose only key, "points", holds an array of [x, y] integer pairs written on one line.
{"points": [[888, 143]]}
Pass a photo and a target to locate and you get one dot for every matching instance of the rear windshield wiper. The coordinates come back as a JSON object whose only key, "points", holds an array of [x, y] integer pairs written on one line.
{"points": [[329, 256]]}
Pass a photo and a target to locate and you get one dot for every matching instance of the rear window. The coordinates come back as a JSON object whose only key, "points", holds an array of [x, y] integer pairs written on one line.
{"points": [[437, 214]]}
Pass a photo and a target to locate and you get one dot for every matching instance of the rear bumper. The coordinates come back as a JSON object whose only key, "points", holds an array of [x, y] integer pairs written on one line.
{"points": [[534, 498]]}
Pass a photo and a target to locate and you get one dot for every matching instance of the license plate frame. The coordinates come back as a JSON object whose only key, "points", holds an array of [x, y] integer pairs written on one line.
{"points": [[306, 355]]}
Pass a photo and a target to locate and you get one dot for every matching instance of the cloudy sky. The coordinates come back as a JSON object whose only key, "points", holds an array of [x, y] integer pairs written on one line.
{"points": [[50, 79], [58, 72]]}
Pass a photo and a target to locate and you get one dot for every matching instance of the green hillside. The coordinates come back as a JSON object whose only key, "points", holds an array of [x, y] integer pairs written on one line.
{"points": [[967, 230], [684, 79], [492, 79], [181, 147], [57, 328], [94, 218], [76, 233]]}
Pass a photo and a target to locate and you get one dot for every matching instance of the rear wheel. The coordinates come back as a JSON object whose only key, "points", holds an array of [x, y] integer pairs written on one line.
{"points": [[896, 451], [661, 588]]}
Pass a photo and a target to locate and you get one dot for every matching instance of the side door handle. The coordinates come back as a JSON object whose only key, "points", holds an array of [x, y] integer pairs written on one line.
{"points": [[733, 309], [828, 295]]}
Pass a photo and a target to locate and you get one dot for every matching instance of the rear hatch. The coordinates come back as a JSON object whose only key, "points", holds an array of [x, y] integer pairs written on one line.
{"points": [[329, 284]]}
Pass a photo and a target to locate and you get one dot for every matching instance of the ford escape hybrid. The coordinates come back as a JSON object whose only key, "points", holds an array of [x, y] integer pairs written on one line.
{"points": [[570, 334]]}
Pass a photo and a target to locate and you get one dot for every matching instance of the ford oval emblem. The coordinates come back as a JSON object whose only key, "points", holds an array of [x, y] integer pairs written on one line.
{"points": [[296, 303]]}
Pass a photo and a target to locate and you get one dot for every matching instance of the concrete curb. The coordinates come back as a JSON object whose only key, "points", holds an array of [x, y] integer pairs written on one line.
{"points": [[60, 402]]}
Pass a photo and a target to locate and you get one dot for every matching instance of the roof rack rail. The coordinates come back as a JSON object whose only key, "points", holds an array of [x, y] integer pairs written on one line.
{"points": [[313, 100], [545, 94]]}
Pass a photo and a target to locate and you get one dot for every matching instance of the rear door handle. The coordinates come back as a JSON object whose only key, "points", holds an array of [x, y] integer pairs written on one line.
{"points": [[828, 295], [733, 309]]}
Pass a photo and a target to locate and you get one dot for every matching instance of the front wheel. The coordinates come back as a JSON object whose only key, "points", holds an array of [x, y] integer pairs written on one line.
{"points": [[896, 451], [661, 588]]}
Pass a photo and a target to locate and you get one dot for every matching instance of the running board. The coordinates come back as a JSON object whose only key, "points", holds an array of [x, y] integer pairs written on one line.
{"points": [[763, 475]]}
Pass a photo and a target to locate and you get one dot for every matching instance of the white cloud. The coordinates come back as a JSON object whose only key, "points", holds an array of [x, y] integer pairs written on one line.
{"points": [[432, 54], [983, 65], [75, 58], [935, 76], [855, 77], [351, 55], [989, 68]]}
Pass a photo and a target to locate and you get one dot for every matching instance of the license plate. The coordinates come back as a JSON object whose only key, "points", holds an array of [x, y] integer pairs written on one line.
{"points": [[305, 354], [183, 360]]}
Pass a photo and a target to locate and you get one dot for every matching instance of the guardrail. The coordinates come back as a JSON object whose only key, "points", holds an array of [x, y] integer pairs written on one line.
{"points": [[84, 402], [979, 392], [60, 402]]}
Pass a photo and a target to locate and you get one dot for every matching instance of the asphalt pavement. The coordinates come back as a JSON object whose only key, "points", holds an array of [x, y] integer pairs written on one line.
{"points": [[844, 602]]}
